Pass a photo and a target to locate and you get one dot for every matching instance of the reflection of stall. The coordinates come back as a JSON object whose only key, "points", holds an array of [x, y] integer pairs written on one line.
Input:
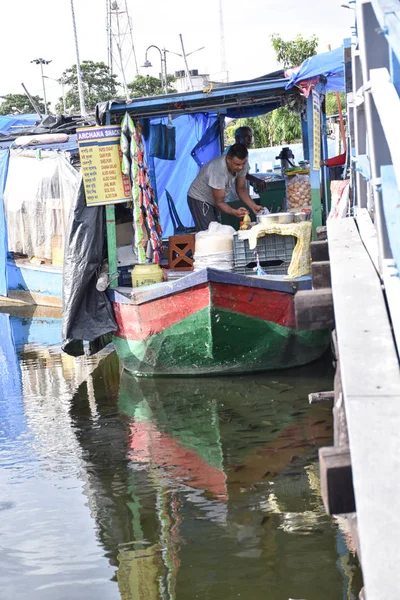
{"points": [[203, 416]]}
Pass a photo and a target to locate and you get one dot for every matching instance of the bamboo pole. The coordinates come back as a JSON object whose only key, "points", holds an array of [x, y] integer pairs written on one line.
{"points": [[341, 121]]}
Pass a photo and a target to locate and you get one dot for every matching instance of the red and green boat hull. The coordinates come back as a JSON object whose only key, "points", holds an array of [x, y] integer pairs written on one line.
{"points": [[217, 323]]}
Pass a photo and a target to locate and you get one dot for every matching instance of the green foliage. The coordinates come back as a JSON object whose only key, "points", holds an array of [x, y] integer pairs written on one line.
{"points": [[149, 86], [331, 106], [293, 52], [259, 125], [285, 126], [99, 85], [281, 126], [19, 103]]}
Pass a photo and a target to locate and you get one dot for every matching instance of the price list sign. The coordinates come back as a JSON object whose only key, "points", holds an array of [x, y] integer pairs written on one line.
{"points": [[316, 104], [100, 154]]}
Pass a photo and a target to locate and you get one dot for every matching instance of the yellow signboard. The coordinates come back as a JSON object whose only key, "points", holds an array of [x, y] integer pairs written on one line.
{"points": [[100, 155], [316, 102]]}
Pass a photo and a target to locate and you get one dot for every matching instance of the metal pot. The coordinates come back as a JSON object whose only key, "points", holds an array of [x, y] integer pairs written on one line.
{"points": [[285, 218], [268, 219], [300, 216]]}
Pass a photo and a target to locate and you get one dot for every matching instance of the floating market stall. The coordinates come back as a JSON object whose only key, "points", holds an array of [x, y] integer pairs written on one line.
{"points": [[224, 314]]}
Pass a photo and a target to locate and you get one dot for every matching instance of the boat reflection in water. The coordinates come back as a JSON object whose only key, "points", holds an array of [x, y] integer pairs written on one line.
{"points": [[232, 465]]}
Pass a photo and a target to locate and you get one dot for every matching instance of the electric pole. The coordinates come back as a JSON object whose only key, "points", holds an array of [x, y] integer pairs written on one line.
{"points": [[41, 62], [78, 64]]}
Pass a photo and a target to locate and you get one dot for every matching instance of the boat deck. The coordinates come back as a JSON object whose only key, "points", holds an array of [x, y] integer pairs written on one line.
{"points": [[194, 278]]}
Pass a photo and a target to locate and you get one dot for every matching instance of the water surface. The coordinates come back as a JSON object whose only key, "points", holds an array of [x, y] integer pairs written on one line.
{"points": [[113, 487]]}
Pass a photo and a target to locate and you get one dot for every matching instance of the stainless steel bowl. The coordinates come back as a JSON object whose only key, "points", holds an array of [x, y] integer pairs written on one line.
{"points": [[268, 219], [300, 216], [285, 218]]}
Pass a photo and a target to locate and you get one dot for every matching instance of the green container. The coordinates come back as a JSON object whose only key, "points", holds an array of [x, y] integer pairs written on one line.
{"points": [[272, 198]]}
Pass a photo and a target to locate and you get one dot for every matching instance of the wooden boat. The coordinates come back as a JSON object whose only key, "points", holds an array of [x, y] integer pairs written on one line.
{"points": [[213, 322], [34, 284]]}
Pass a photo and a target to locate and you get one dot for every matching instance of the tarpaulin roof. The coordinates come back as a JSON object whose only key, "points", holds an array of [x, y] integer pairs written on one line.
{"points": [[328, 64], [70, 146], [235, 100], [12, 123]]}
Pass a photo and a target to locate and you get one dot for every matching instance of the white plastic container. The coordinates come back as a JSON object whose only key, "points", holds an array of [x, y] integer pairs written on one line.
{"points": [[217, 238]]}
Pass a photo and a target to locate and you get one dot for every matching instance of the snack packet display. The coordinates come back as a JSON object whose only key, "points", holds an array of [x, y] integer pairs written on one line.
{"points": [[298, 192]]}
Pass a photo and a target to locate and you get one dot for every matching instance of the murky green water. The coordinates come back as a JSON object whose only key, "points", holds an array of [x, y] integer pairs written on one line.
{"points": [[118, 488]]}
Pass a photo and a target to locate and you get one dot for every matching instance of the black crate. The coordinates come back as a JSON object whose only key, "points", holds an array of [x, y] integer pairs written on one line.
{"points": [[270, 269], [274, 253], [125, 276]]}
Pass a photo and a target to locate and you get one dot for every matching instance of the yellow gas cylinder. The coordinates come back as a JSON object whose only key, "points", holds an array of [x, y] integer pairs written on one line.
{"points": [[146, 274]]}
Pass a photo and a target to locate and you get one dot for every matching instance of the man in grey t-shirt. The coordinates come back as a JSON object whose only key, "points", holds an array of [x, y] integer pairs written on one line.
{"points": [[208, 193]]}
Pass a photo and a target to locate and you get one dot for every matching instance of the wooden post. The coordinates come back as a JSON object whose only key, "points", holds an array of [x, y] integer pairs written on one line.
{"points": [[321, 274], [336, 480], [112, 245], [222, 132], [316, 397], [314, 130], [304, 137], [322, 233], [319, 250], [314, 309], [325, 171]]}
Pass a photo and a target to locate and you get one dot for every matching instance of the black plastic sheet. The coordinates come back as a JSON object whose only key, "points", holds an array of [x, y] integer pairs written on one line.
{"points": [[87, 313]]}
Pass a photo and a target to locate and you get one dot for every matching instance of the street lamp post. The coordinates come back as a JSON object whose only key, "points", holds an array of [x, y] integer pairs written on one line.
{"points": [[41, 62], [163, 56]]}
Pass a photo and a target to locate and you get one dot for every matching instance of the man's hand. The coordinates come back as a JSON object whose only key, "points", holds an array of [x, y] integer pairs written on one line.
{"points": [[256, 208], [240, 212], [259, 185]]}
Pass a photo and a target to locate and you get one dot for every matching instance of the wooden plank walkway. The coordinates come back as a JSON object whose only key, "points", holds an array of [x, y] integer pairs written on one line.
{"points": [[371, 389]]}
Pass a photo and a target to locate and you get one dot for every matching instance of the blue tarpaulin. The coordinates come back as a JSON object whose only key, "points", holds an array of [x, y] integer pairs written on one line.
{"points": [[196, 133], [4, 159], [11, 123], [328, 64]]}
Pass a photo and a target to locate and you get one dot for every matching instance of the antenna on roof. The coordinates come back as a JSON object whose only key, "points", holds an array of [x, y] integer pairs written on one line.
{"points": [[31, 100], [224, 67], [120, 46]]}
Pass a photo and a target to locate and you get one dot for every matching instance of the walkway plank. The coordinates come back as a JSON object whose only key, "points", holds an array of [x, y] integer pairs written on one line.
{"points": [[371, 387]]}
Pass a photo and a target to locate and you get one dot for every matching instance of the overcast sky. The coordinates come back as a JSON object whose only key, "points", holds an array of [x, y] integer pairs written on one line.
{"points": [[43, 29]]}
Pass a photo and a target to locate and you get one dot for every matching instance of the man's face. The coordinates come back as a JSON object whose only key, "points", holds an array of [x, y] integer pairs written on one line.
{"points": [[246, 138], [235, 164]]}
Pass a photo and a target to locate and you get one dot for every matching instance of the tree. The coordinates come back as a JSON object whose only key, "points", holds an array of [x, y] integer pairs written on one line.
{"points": [[19, 103], [293, 52], [99, 85], [281, 126], [285, 126], [149, 86], [331, 106]]}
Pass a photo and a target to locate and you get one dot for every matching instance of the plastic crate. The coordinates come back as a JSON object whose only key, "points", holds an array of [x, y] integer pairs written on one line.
{"points": [[274, 252], [125, 276], [271, 269]]}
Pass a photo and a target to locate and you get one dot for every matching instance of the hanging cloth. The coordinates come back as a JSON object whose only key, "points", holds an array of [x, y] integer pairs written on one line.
{"points": [[145, 209], [162, 141]]}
